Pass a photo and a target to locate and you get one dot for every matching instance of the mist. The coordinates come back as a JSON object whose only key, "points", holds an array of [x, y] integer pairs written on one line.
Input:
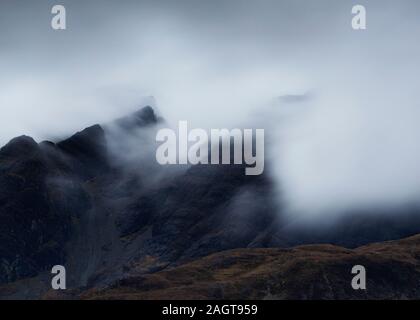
{"points": [[350, 144]]}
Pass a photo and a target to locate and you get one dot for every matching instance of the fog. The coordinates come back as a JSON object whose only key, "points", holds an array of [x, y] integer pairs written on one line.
{"points": [[352, 143]]}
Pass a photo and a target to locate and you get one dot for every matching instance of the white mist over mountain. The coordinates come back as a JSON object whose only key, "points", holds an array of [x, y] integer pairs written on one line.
{"points": [[352, 143]]}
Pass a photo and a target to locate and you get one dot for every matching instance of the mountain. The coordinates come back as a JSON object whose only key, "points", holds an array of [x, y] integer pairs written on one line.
{"points": [[99, 204], [35, 211]]}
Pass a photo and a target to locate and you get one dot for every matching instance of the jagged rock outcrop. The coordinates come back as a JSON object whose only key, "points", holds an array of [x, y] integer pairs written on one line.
{"points": [[36, 210], [139, 119], [45, 195], [86, 152]]}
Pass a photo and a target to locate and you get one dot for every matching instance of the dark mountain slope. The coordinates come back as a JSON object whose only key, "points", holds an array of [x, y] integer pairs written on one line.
{"points": [[205, 210], [35, 213], [87, 152]]}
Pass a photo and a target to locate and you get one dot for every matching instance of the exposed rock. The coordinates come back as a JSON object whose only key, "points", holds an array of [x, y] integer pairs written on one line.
{"points": [[87, 151], [35, 211]]}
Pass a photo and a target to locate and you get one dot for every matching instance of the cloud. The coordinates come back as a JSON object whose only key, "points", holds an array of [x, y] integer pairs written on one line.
{"points": [[352, 143]]}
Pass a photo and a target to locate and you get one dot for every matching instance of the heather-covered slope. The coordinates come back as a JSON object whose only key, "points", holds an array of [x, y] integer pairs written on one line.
{"points": [[306, 272]]}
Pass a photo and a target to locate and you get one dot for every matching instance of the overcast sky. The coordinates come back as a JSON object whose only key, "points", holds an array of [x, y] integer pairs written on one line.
{"points": [[220, 63]]}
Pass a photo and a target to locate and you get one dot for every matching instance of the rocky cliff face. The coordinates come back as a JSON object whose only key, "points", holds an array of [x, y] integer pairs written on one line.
{"points": [[39, 199]]}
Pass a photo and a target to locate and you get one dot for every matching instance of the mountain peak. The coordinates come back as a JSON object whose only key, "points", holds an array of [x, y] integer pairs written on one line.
{"points": [[84, 140], [141, 118], [88, 149], [146, 114], [19, 146]]}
